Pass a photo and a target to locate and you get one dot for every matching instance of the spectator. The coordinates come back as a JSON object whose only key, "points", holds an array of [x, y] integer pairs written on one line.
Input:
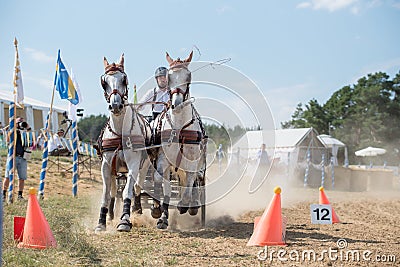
{"points": [[262, 156], [56, 144], [21, 157]]}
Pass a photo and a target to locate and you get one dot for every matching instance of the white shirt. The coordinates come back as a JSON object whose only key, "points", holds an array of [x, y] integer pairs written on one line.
{"points": [[161, 96], [55, 142]]}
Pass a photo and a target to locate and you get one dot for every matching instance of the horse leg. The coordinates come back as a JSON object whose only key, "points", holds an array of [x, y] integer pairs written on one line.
{"points": [[111, 209], [184, 203], [137, 204], [155, 207], [162, 223], [113, 192], [158, 179], [195, 202], [133, 161], [106, 176]]}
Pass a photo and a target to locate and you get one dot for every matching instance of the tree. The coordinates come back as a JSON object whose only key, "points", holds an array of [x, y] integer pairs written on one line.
{"points": [[364, 114], [313, 116], [90, 127], [298, 120], [316, 117]]}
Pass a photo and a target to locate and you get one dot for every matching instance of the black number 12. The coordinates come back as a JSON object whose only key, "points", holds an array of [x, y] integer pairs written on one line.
{"points": [[324, 215]]}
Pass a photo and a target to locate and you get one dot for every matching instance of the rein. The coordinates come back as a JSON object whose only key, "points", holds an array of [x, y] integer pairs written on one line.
{"points": [[111, 130]]}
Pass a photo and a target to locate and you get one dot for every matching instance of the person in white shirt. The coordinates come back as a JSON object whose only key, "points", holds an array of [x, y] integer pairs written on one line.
{"points": [[159, 93], [262, 156], [56, 146]]}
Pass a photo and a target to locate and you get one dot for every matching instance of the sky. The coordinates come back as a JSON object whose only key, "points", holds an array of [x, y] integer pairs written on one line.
{"points": [[292, 51]]}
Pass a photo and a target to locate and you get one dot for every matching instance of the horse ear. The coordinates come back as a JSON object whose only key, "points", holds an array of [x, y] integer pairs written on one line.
{"points": [[105, 62], [189, 58], [121, 60], [169, 59]]}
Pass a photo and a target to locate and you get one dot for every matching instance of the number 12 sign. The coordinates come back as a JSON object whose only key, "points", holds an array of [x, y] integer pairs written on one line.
{"points": [[321, 214]]}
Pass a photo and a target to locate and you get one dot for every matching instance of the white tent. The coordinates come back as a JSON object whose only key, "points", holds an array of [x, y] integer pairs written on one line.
{"points": [[34, 112], [333, 144], [286, 144]]}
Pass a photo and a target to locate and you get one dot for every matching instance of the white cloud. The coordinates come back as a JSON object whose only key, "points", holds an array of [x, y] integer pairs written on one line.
{"points": [[224, 9], [374, 3], [39, 55], [355, 10], [304, 5], [396, 5], [330, 5]]}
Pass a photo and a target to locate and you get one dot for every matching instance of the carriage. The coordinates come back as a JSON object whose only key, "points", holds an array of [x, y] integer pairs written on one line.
{"points": [[147, 192]]}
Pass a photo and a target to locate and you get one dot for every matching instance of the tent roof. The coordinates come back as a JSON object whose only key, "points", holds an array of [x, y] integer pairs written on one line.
{"points": [[290, 137], [329, 141], [284, 138], [36, 104]]}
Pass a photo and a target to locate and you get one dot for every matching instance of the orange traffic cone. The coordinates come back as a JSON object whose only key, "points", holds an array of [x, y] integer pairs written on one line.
{"points": [[268, 229], [37, 233], [324, 200]]}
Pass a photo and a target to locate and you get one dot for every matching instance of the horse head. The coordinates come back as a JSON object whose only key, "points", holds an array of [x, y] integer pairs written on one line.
{"points": [[115, 85], [179, 78]]}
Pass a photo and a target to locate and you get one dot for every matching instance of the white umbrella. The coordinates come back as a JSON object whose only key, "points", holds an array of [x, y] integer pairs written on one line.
{"points": [[370, 151]]}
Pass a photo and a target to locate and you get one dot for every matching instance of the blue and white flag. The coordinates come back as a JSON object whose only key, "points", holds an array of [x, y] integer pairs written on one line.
{"points": [[64, 84]]}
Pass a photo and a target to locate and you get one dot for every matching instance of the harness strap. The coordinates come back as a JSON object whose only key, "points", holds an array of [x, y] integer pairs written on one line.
{"points": [[154, 98], [111, 130], [183, 136], [179, 156], [111, 143]]}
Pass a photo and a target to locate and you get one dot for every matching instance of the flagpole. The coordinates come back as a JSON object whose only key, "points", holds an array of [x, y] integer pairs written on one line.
{"points": [[75, 173], [13, 137], [45, 154]]}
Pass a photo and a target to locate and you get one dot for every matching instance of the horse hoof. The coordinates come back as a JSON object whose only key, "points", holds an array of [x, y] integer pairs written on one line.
{"points": [[124, 226], [193, 211], [182, 210], [155, 212], [100, 228], [162, 224], [111, 216]]}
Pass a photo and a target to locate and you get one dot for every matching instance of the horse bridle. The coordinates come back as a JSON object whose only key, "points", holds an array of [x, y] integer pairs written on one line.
{"points": [[178, 90], [109, 71]]}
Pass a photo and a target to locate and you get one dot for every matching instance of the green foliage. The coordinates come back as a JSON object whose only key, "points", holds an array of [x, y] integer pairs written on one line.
{"points": [[364, 114], [224, 135], [90, 127]]}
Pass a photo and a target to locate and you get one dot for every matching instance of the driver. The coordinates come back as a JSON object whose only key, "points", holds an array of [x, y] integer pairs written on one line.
{"points": [[159, 93]]}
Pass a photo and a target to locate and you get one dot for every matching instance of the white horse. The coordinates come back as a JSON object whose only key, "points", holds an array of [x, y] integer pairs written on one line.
{"points": [[124, 132], [183, 142]]}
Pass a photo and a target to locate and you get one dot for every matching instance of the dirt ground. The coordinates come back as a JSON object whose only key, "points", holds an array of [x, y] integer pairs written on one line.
{"points": [[369, 231]]}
